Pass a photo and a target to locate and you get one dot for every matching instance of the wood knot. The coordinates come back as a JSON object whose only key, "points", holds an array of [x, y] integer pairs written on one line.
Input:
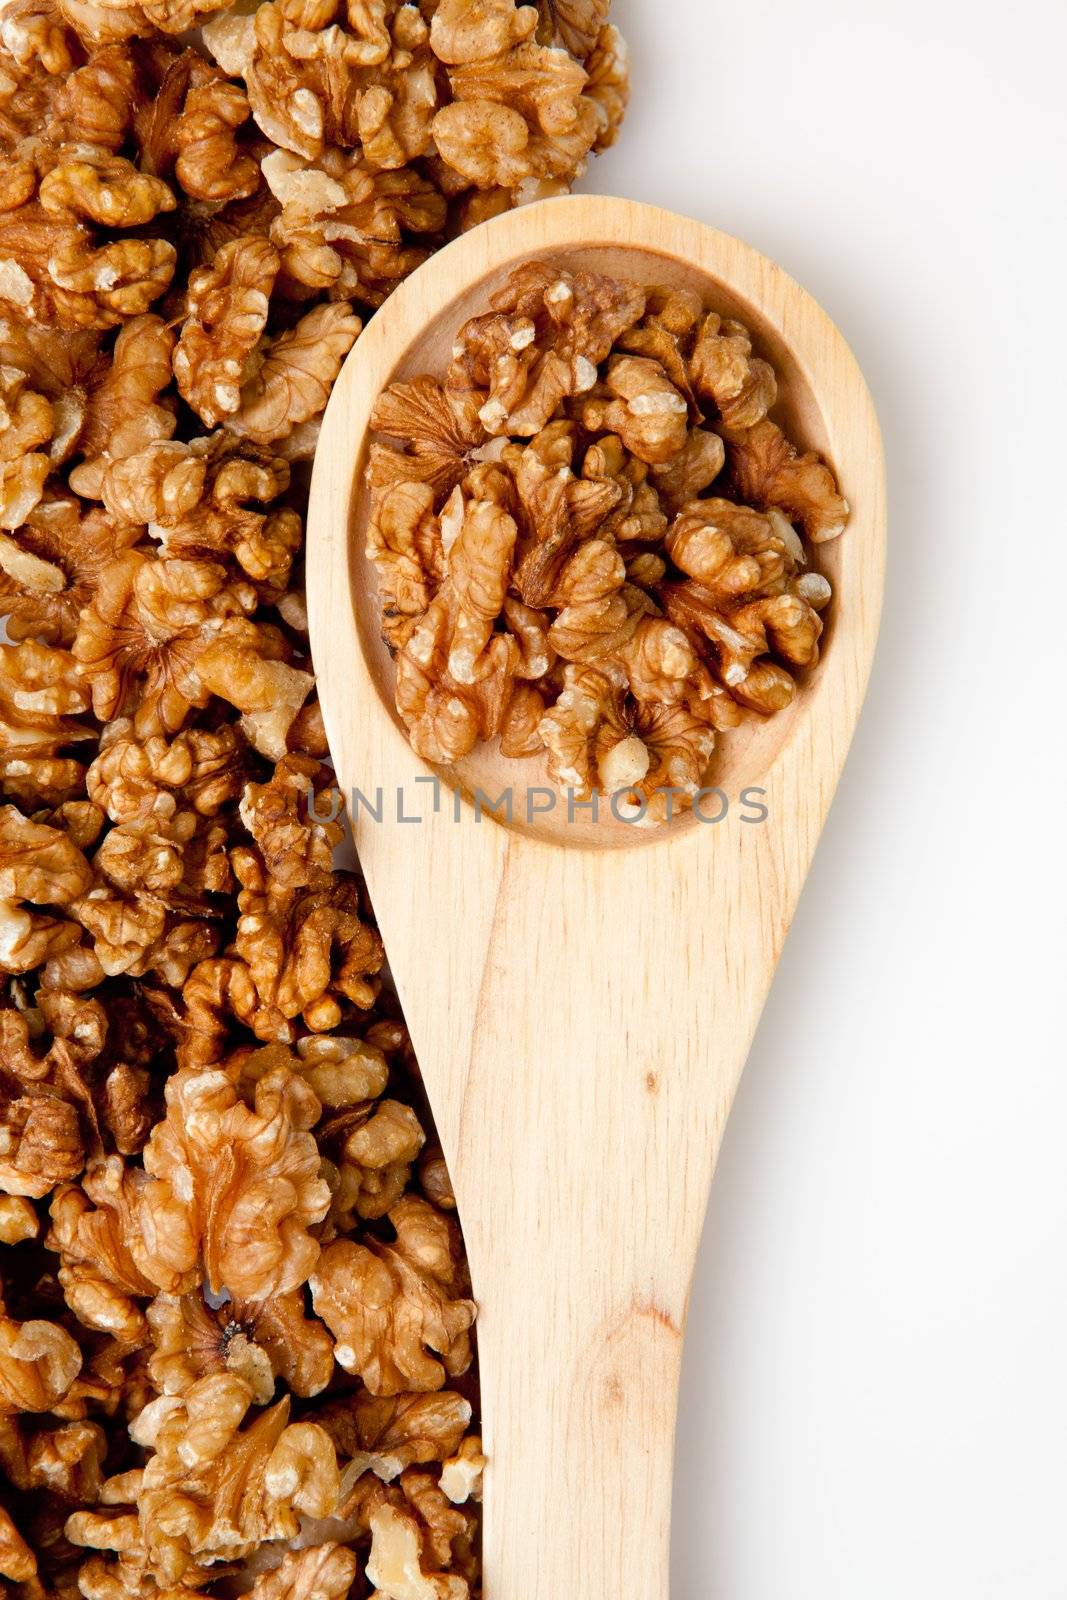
{"points": [[614, 1393]]}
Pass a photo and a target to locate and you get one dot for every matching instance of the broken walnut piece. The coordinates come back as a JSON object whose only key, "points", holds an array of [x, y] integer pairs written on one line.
{"points": [[45, 1131], [434, 1178], [569, 730], [38, 1363], [54, 273], [376, 1167], [290, 819], [96, 1230], [123, 411], [223, 524], [226, 312], [397, 1311], [295, 370], [690, 472], [401, 1564], [51, 1045], [491, 144], [96, 103], [576, 24], [22, 484], [210, 165], [18, 1220], [454, 673], [548, 333], [461, 1474], [41, 701], [160, 484], [285, 92], [134, 779], [478, 538], [297, 953], [137, 931], [385, 1434], [643, 407], [40, 1144], [247, 664], [39, 866], [404, 542], [61, 1463], [124, 1107], [608, 70], [17, 1560], [462, 32], [342, 1072], [550, 126], [321, 1572], [94, 184], [723, 370], [347, 228], [732, 550], [769, 471]]}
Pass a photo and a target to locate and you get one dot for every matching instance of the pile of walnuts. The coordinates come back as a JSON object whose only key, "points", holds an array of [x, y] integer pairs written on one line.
{"points": [[235, 1346], [592, 541]]}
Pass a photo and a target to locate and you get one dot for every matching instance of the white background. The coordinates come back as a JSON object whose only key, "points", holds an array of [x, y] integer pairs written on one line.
{"points": [[875, 1397]]}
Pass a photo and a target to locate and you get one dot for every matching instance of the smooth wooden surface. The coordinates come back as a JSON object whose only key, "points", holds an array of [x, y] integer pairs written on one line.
{"points": [[582, 1014]]}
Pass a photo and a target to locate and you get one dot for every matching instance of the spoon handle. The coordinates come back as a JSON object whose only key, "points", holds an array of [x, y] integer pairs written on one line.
{"points": [[580, 1418], [597, 1075]]}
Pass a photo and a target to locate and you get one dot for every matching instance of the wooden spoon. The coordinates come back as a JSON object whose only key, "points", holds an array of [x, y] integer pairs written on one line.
{"points": [[581, 998]]}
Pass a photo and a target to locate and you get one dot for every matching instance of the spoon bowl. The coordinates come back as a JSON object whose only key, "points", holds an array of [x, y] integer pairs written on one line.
{"points": [[582, 995]]}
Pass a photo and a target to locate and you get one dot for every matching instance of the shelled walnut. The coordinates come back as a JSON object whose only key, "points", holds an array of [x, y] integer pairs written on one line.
{"points": [[593, 542], [206, 1095]]}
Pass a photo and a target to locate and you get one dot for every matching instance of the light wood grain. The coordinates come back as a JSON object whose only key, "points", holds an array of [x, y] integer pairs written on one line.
{"points": [[582, 1000]]}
